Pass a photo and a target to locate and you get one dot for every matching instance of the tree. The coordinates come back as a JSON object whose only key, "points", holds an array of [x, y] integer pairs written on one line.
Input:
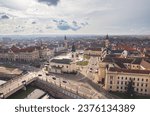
{"points": [[73, 48], [130, 89]]}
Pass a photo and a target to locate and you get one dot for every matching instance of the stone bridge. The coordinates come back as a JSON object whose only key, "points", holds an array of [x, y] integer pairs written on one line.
{"points": [[55, 88]]}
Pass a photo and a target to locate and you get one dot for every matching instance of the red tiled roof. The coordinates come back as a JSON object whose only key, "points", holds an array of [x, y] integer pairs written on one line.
{"points": [[125, 47], [94, 49], [14, 49], [28, 49], [145, 64]]}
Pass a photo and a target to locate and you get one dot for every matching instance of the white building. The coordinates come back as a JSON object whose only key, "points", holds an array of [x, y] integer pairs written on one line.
{"points": [[62, 66], [65, 64]]}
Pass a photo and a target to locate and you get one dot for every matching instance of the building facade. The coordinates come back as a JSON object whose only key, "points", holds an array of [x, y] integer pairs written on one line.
{"points": [[118, 79], [29, 54], [62, 66]]}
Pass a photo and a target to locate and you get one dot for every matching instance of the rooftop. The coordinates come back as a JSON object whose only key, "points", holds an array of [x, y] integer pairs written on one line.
{"points": [[15, 49], [120, 64], [94, 49], [112, 69], [117, 51], [62, 61], [145, 64], [137, 61], [124, 60]]}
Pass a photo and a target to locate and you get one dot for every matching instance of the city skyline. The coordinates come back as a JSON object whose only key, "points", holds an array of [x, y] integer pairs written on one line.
{"points": [[74, 17]]}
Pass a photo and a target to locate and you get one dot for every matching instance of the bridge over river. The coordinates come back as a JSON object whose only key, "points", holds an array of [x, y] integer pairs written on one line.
{"points": [[57, 87]]}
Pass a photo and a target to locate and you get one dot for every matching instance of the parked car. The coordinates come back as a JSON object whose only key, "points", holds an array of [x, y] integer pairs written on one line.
{"points": [[64, 81]]}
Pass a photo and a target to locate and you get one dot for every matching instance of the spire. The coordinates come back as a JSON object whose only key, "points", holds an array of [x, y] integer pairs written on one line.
{"points": [[107, 37], [107, 42], [65, 42]]}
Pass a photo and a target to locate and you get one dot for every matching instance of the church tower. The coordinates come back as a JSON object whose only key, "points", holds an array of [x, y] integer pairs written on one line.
{"points": [[107, 42], [66, 42], [74, 55], [102, 72]]}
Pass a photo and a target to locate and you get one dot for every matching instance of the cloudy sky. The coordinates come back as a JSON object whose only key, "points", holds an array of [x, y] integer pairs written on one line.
{"points": [[74, 17]]}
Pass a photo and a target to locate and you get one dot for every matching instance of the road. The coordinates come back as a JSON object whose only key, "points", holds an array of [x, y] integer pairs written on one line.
{"points": [[71, 85], [16, 83], [78, 82]]}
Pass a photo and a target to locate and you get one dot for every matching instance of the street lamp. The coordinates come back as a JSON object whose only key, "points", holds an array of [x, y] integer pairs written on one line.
{"points": [[24, 87], [24, 84]]}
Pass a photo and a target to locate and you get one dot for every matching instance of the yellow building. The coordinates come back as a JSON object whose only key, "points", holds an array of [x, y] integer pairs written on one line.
{"points": [[29, 54], [118, 79]]}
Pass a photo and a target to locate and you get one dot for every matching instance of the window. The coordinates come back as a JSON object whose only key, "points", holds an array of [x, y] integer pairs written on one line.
{"points": [[126, 78], [146, 80], [117, 87], [137, 89], [118, 77], [121, 87], [137, 84], [111, 77], [118, 82], [142, 79], [122, 77], [110, 87], [142, 85], [141, 90], [121, 83], [134, 79], [125, 88], [138, 79], [145, 90], [125, 83], [145, 85], [111, 82], [66, 66]]}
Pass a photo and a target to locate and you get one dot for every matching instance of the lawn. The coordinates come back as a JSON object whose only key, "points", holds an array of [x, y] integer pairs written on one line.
{"points": [[21, 94], [83, 63], [86, 57]]}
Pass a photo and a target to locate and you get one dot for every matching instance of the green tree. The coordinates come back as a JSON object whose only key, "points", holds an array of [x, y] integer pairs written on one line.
{"points": [[73, 48], [130, 89]]}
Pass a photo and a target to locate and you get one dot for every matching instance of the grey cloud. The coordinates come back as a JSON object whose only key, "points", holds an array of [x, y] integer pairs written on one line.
{"points": [[64, 25], [33, 22], [50, 2], [4, 17], [49, 27], [84, 24], [55, 21]]}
